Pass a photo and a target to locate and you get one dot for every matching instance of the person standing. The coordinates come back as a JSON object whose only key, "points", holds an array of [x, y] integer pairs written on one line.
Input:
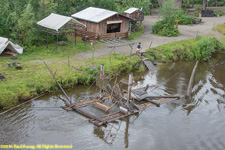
{"points": [[138, 48]]}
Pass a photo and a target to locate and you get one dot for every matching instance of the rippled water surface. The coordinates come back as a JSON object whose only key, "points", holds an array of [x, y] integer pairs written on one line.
{"points": [[186, 124]]}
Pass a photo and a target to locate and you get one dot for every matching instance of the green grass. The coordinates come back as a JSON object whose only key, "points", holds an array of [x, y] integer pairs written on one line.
{"points": [[43, 53], [135, 35], [35, 79], [192, 49], [220, 28]]}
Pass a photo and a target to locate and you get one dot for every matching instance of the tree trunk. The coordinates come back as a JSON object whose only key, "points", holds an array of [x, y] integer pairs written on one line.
{"points": [[188, 3], [193, 4], [204, 4]]}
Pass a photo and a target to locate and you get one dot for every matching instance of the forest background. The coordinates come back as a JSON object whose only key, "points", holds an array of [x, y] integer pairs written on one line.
{"points": [[18, 17]]}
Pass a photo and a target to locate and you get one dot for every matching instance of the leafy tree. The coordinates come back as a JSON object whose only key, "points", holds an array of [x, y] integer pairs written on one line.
{"points": [[45, 8], [168, 11], [168, 14], [24, 29], [18, 17], [4, 7]]}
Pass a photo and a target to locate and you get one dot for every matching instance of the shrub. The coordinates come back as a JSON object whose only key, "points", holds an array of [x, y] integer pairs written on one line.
{"points": [[184, 18], [164, 28], [200, 48], [196, 12], [206, 47], [219, 12]]}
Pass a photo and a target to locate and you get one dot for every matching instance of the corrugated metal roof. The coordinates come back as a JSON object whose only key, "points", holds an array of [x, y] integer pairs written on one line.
{"points": [[131, 10], [55, 21], [5, 43], [94, 14]]}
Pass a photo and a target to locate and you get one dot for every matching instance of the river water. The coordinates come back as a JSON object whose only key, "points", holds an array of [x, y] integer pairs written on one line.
{"points": [[187, 124]]}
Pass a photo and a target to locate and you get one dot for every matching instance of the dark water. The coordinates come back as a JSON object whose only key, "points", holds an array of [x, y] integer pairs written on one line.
{"points": [[192, 124]]}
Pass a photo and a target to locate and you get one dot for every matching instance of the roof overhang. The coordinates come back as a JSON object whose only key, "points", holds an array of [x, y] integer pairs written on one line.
{"points": [[55, 22]]}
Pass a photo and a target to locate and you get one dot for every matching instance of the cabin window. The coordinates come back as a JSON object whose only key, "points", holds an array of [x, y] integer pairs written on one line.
{"points": [[112, 28]]}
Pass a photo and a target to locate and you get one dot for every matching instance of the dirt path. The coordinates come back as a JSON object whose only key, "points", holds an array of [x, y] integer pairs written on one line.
{"points": [[187, 32]]}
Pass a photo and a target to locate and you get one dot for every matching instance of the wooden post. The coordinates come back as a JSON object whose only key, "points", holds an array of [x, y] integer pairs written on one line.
{"points": [[129, 89], [196, 35], [47, 39], [75, 36], [110, 52], [93, 46], [131, 49], [102, 73], [110, 55], [68, 60], [130, 26], [140, 25], [57, 40], [191, 81], [85, 36], [126, 141], [150, 45], [72, 38]]}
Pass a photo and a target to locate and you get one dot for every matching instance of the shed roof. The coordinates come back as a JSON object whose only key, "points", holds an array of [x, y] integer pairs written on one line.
{"points": [[94, 14], [131, 10], [55, 21], [5, 43]]}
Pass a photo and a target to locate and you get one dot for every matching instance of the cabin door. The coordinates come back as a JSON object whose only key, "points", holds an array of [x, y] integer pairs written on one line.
{"points": [[112, 28], [137, 15]]}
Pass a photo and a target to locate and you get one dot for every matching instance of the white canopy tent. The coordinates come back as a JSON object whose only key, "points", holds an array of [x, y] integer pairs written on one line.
{"points": [[5, 43], [56, 24]]}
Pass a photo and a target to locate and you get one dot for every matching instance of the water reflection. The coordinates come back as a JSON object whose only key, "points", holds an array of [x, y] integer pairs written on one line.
{"points": [[108, 132]]}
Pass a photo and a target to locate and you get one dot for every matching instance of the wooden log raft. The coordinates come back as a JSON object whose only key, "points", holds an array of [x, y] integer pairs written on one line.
{"points": [[119, 115]]}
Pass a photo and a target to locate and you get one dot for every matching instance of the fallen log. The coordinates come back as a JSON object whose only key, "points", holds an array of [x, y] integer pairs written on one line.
{"points": [[153, 102], [163, 96], [67, 102], [191, 81]]}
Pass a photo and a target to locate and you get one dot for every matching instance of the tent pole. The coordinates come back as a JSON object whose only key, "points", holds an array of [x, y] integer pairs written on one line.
{"points": [[57, 41], [85, 36], [47, 39], [38, 34], [72, 38]]}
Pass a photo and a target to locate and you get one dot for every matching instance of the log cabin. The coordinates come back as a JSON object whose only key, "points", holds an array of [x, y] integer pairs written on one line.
{"points": [[104, 23]]}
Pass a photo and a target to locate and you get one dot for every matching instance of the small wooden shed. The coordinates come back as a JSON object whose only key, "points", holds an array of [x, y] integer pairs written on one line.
{"points": [[104, 23], [134, 13]]}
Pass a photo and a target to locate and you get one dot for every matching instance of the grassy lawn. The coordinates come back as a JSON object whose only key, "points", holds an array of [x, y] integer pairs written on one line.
{"points": [[135, 35], [43, 53], [220, 28], [35, 79]]}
